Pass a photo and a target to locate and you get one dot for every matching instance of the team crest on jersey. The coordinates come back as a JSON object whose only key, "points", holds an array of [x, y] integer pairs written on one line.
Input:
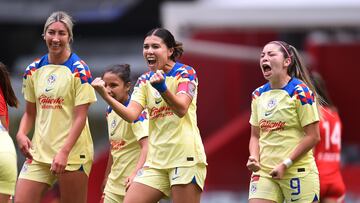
{"points": [[51, 79], [112, 126], [253, 188], [50, 82], [271, 104]]}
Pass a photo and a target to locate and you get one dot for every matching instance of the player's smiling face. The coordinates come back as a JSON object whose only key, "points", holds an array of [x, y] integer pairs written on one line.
{"points": [[156, 53], [272, 62], [57, 38], [116, 87]]}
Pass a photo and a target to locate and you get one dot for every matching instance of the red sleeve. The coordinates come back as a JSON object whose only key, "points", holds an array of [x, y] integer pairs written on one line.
{"points": [[2, 104]]}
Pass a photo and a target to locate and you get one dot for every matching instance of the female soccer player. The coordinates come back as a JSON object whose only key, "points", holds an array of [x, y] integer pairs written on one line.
{"points": [[327, 151], [284, 129], [176, 161], [8, 163], [58, 94], [129, 141]]}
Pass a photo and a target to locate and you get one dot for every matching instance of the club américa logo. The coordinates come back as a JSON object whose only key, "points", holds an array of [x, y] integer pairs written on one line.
{"points": [[51, 79], [271, 104], [50, 82]]}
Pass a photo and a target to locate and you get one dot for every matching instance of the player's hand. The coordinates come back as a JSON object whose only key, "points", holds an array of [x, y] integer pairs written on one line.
{"points": [[129, 181], [99, 85], [59, 163], [278, 172], [253, 164], [25, 145], [158, 81], [102, 199]]}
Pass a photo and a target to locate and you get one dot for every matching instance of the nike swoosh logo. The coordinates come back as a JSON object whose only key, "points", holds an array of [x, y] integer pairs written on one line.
{"points": [[158, 102], [176, 177], [294, 200], [267, 113], [47, 90]]}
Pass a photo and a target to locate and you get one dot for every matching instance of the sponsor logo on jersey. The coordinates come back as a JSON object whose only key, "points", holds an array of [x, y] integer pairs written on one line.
{"points": [[117, 144], [267, 125], [48, 102], [160, 112]]}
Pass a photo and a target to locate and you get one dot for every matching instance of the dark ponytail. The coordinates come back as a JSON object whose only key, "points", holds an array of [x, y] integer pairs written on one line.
{"points": [[6, 87], [169, 41], [296, 68]]}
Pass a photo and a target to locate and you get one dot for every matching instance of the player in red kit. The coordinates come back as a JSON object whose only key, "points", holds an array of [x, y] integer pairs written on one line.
{"points": [[327, 151]]}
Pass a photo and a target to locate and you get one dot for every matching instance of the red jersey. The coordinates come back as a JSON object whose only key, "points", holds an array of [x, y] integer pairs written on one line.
{"points": [[3, 108], [327, 155], [327, 151]]}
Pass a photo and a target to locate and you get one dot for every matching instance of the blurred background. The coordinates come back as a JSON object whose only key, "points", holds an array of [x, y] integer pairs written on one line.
{"points": [[222, 41]]}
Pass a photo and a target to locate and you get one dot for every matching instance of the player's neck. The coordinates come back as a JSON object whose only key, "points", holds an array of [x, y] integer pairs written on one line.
{"points": [[280, 83], [59, 58]]}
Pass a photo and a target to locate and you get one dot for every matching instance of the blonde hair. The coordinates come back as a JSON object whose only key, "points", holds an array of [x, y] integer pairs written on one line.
{"points": [[60, 16]]}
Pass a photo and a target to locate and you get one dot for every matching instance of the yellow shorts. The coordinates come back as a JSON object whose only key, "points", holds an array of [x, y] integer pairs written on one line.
{"points": [[113, 198], [163, 179], [8, 164], [298, 189], [40, 172]]}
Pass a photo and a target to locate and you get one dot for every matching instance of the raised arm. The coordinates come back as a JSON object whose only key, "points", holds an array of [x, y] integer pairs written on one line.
{"points": [[179, 103], [129, 113]]}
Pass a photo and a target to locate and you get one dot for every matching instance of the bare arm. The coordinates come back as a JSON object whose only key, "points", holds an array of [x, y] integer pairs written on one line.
{"points": [[79, 120], [179, 103], [26, 124], [253, 163], [129, 113], [311, 138], [142, 158]]}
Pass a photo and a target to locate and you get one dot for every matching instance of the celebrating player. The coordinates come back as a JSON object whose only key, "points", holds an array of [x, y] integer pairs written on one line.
{"points": [[129, 141], [176, 162], [284, 129]]}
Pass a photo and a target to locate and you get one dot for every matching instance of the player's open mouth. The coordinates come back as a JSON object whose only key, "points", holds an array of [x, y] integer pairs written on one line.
{"points": [[266, 67], [151, 60]]}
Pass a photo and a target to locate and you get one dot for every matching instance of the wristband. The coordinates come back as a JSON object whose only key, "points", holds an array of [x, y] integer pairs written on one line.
{"points": [[287, 162], [161, 87]]}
